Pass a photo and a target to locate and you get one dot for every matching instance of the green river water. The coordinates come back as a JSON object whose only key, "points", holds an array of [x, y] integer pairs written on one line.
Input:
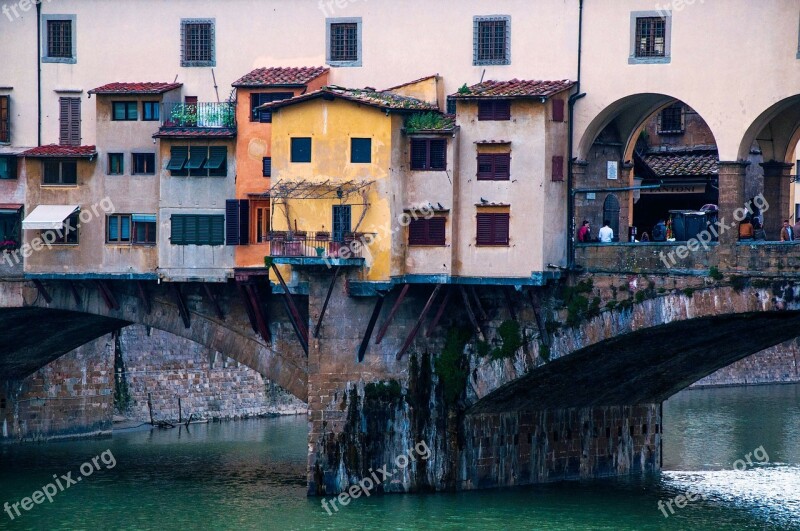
{"points": [[251, 475]]}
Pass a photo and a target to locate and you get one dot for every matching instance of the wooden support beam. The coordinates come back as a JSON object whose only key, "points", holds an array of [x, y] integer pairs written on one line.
{"points": [[376, 311], [214, 301], [418, 324], [182, 308], [108, 297], [385, 326], [481, 314], [75, 294], [509, 303], [255, 301], [140, 287], [42, 291], [247, 306], [471, 314], [537, 313], [448, 293], [327, 299], [294, 315]]}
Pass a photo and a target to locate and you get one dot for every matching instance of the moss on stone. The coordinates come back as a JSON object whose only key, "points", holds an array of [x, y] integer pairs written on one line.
{"points": [[384, 391], [451, 366], [511, 340]]}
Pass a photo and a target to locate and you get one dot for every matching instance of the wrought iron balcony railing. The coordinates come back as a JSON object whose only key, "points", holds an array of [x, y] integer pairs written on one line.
{"points": [[316, 244], [201, 114]]}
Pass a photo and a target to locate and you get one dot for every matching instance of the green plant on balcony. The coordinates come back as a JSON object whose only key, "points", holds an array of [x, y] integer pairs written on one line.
{"points": [[184, 115], [426, 121]]}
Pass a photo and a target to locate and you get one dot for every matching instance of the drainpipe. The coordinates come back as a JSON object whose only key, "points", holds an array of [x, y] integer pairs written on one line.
{"points": [[571, 128], [39, 73]]}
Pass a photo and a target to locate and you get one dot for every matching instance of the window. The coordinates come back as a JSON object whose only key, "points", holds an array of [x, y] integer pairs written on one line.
{"points": [[144, 229], [558, 110], [124, 110], [266, 166], [5, 119], [8, 167], [237, 221], [670, 120], [360, 150], [650, 37], [60, 172], [58, 38], [492, 228], [69, 133], [197, 229], [197, 42], [494, 110], [491, 40], [260, 98], [494, 166], [260, 216], [451, 105], [116, 165], [10, 226], [66, 235], [198, 161], [118, 228], [428, 154], [344, 41], [301, 149], [427, 231], [342, 221], [151, 111], [144, 163]]}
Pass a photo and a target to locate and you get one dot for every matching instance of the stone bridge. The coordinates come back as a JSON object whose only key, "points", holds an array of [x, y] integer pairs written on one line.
{"points": [[507, 386]]}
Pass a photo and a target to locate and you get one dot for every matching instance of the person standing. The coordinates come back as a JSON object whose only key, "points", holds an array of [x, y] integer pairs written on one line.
{"points": [[786, 232], [584, 233], [606, 233]]}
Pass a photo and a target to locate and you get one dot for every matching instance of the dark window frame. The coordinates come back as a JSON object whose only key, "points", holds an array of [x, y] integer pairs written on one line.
{"points": [[430, 232], [196, 34], [649, 30], [435, 155], [60, 179], [151, 111], [5, 119], [118, 218], [149, 160], [499, 166], [120, 157], [11, 167], [266, 166], [494, 110], [260, 98], [362, 152], [343, 38], [60, 38], [671, 120], [499, 226], [491, 40], [130, 111], [298, 149]]}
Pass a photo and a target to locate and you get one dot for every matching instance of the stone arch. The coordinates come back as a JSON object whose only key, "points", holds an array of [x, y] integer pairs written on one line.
{"points": [[282, 361], [644, 354]]}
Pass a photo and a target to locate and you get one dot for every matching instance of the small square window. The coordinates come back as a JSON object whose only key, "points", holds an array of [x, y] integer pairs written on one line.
{"points": [[60, 172], [494, 110], [492, 229], [494, 166], [151, 111], [266, 166], [360, 150], [427, 231], [198, 42], [301, 149], [144, 163], [59, 39], [143, 231], [492, 40], [670, 120], [116, 164], [650, 36], [344, 41], [428, 154], [124, 110], [8, 167], [118, 228]]}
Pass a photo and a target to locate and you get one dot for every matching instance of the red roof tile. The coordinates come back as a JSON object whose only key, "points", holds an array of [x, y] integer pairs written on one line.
{"points": [[679, 164], [367, 96], [280, 76], [514, 89], [135, 88], [196, 132], [54, 150]]}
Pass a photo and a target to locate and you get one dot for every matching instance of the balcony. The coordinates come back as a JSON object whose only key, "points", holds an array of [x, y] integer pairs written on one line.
{"points": [[318, 248], [202, 119]]}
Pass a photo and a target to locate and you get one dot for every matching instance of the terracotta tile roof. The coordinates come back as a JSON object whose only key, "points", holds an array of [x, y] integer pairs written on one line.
{"points": [[445, 123], [367, 96], [280, 76], [196, 132], [54, 150], [135, 88], [677, 164], [514, 89]]}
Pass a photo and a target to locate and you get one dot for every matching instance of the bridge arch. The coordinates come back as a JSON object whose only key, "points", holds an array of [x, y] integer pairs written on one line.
{"points": [[644, 354], [42, 331]]}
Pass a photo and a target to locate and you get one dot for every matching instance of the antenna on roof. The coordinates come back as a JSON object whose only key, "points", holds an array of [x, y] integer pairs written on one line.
{"points": [[176, 79], [216, 89], [483, 74]]}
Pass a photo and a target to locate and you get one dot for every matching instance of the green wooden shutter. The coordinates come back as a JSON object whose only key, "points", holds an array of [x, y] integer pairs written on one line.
{"points": [[177, 230]]}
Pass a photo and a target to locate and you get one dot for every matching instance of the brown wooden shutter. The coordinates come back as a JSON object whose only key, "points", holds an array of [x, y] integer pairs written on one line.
{"points": [[438, 154], [558, 110], [5, 119], [485, 166], [502, 166], [502, 109], [69, 121], [558, 168], [500, 225], [436, 230], [484, 229], [419, 154], [417, 232]]}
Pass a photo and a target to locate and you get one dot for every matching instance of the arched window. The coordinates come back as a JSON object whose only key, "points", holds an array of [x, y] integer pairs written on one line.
{"points": [[611, 213]]}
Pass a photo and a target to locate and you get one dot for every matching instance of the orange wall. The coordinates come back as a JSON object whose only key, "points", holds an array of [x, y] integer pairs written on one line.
{"points": [[253, 143]]}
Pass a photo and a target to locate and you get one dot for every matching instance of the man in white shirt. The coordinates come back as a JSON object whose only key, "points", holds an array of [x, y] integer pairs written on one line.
{"points": [[606, 233]]}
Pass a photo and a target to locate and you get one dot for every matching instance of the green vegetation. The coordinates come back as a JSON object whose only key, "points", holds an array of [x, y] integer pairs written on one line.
{"points": [[640, 297], [688, 292], [610, 305], [483, 348], [427, 121], [738, 283], [464, 89], [577, 303], [388, 391], [451, 367], [715, 274], [511, 337], [544, 351]]}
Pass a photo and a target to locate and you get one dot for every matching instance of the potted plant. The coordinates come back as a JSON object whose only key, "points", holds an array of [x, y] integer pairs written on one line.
{"points": [[320, 251]]}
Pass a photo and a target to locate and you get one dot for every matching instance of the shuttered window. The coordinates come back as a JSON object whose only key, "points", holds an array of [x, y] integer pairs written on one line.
{"points": [[197, 229], [428, 154], [427, 231], [260, 98], [69, 121], [492, 228], [558, 110], [558, 168], [5, 119], [494, 166], [266, 166], [494, 110], [237, 221], [198, 161]]}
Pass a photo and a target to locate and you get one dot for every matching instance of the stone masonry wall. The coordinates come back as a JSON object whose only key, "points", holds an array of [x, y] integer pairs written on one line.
{"points": [[779, 364]]}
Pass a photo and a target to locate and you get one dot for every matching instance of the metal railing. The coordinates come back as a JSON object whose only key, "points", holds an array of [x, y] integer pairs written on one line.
{"points": [[201, 114], [316, 244]]}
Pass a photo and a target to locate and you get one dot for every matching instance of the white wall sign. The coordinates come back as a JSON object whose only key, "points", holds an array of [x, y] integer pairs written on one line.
{"points": [[612, 172]]}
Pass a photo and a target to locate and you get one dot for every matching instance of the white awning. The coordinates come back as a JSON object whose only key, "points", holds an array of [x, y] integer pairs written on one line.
{"points": [[48, 217]]}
